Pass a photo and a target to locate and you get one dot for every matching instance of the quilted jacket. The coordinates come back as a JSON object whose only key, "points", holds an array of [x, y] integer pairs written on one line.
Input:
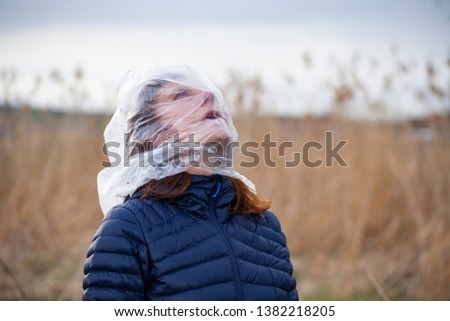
{"points": [[190, 249]]}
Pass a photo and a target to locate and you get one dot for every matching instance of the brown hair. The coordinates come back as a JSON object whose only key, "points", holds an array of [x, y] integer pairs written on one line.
{"points": [[170, 188]]}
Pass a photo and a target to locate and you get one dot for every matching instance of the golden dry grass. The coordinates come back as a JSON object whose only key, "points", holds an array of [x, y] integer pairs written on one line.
{"points": [[377, 229]]}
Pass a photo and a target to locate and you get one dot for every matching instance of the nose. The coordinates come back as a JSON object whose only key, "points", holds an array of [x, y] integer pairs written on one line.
{"points": [[208, 97]]}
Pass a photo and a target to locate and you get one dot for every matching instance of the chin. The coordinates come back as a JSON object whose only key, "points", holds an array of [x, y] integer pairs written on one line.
{"points": [[222, 136]]}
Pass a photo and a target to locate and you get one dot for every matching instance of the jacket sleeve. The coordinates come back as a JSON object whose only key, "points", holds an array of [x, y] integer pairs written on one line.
{"points": [[292, 294], [117, 264]]}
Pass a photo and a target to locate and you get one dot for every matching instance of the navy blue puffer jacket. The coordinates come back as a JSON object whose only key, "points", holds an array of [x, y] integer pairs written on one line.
{"points": [[191, 249]]}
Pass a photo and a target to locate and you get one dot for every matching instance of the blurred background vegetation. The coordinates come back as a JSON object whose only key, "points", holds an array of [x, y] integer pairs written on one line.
{"points": [[375, 230]]}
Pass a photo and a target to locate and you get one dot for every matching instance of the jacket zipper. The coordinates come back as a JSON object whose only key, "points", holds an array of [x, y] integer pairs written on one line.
{"points": [[236, 275]]}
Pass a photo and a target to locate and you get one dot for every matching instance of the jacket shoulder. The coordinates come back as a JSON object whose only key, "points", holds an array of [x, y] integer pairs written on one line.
{"points": [[272, 220], [270, 227], [120, 222], [148, 212], [117, 258]]}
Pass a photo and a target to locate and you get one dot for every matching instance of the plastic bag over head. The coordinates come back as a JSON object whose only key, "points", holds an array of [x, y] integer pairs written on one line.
{"points": [[170, 118]]}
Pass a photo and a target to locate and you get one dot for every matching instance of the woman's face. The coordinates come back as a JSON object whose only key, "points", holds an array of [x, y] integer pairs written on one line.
{"points": [[192, 111]]}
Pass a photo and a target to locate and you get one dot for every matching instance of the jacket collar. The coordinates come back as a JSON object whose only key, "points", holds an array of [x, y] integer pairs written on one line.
{"points": [[205, 196]]}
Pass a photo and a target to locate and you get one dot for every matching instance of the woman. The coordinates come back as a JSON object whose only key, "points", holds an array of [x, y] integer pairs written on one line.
{"points": [[180, 223]]}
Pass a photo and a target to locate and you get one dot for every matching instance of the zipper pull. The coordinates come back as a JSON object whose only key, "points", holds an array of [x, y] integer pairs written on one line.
{"points": [[218, 187]]}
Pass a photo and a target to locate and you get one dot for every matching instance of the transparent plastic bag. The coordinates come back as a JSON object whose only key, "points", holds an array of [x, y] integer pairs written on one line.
{"points": [[170, 118]]}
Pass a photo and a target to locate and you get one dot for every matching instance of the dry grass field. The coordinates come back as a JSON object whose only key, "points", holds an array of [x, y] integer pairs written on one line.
{"points": [[377, 229]]}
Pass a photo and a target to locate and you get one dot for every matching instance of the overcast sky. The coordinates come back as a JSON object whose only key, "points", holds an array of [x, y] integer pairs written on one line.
{"points": [[409, 14], [267, 37]]}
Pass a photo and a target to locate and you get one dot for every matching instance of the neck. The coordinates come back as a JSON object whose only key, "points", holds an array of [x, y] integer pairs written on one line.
{"points": [[200, 171]]}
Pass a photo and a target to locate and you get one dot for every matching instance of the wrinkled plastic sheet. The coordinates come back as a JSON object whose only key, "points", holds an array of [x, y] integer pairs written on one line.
{"points": [[170, 118]]}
